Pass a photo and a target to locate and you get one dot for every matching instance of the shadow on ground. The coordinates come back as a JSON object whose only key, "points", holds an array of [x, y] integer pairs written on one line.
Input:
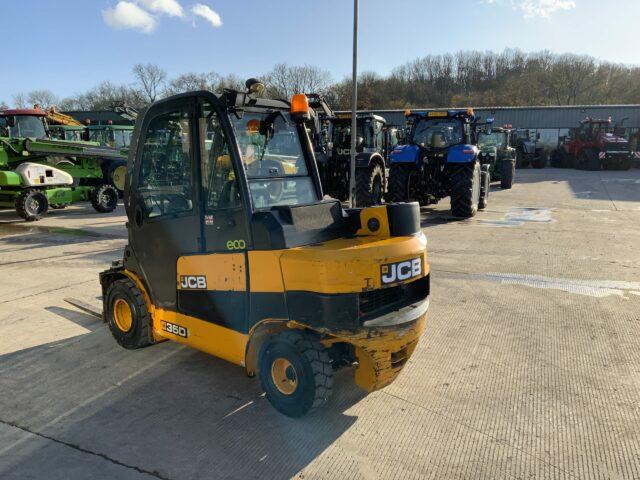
{"points": [[166, 410]]}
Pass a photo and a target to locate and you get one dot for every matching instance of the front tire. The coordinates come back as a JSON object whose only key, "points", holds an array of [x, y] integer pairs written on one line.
{"points": [[507, 175], [465, 190], [589, 160], [540, 160], [399, 183], [127, 315], [369, 186], [32, 204], [486, 188], [104, 198], [295, 372]]}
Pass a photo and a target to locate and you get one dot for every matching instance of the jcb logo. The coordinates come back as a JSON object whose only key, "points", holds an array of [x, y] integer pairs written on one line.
{"points": [[175, 329], [236, 245], [193, 282], [400, 271]]}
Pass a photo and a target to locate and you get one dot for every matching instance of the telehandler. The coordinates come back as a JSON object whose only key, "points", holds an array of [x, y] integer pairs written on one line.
{"points": [[233, 251]]}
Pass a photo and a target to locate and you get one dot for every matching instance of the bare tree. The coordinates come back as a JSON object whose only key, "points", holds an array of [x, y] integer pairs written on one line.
{"points": [[151, 79], [20, 100], [3, 105], [44, 98], [285, 80], [188, 82]]}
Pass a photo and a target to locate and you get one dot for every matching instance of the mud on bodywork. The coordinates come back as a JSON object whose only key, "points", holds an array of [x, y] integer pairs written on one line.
{"points": [[382, 352]]}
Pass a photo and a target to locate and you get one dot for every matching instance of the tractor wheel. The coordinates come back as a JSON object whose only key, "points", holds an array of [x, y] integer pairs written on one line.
{"points": [[127, 315], [588, 160], [399, 183], [295, 372], [508, 174], [116, 175], [32, 204], [556, 158], [540, 160], [104, 198], [369, 186], [486, 188], [624, 164], [465, 190]]}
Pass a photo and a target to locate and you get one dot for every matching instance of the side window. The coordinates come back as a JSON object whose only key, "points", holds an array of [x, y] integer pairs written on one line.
{"points": [[379, 136], [165, 182], [219, 180]]}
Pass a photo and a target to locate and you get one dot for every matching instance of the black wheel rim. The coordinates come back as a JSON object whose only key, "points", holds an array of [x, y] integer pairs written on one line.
{"points": [[108, 199], [34, 205]]}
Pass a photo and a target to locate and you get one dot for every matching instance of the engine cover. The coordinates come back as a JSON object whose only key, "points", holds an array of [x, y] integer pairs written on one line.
{"points": [[37, 174]]}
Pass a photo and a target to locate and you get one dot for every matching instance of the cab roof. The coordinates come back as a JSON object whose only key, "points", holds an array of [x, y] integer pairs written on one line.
{"points": [[23, 112]]}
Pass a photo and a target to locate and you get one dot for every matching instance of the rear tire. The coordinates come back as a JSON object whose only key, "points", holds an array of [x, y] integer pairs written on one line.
{"points": [[124, 299], [369, 186], [465, 190], [104, 198], [295, 372], [32, 204], [507, 175]]}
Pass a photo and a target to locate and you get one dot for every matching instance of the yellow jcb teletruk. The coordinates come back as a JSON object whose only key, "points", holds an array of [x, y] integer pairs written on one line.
{"points": [[233, 250]]}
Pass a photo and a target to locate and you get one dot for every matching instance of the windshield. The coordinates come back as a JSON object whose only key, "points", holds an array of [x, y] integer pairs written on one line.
{"points": [[99, 136], [437, 133], [342, 134], [25, 127], [273, 160], [493, 139], [121, 138]]}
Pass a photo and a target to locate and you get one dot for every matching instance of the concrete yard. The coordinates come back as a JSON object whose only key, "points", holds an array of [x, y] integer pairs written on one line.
{"points": [[529, 368]]}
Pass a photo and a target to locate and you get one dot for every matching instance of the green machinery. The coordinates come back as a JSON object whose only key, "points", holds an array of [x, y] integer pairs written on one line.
{"points": [[496, 149], [115, 136], [37, 173], [69, 133]]}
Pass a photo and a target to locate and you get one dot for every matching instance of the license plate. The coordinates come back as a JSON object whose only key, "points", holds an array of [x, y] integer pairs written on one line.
{"points": [[400, 271]]}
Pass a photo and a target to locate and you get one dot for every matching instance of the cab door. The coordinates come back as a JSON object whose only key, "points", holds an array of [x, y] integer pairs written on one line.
{"points": [[162, 207], [222, 264]]}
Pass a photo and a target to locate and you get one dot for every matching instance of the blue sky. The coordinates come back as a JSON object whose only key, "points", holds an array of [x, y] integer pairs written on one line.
{"points": [[68, 46]]}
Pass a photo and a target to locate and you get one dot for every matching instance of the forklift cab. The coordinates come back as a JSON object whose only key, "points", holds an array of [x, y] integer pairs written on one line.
{"points": [[205, 170]]}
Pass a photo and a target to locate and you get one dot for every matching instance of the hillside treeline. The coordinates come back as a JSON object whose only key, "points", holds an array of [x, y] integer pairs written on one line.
{"points": [[465, 78]]}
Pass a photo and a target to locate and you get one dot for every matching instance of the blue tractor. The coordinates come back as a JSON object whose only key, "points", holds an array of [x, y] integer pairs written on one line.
{"points": [[440, 159]]}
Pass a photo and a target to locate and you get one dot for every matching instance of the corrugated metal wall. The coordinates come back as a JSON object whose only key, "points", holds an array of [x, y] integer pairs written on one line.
{"points": [[540, 117], [550, 122]]}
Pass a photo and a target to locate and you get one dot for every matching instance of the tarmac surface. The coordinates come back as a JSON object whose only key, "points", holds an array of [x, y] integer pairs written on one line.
{"points": [[529, 368]]}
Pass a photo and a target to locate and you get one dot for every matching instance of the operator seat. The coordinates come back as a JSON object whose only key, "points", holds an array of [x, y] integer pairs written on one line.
{"points": [[438, 141]]}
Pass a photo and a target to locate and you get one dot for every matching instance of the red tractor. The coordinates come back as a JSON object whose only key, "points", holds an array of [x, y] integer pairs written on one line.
{"points": [[594, 145]]}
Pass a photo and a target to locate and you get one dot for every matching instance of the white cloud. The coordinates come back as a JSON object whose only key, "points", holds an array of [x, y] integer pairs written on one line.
{"points": [[129, 15], [207, 13], [544, 8], [165, 7], [537, 8]]}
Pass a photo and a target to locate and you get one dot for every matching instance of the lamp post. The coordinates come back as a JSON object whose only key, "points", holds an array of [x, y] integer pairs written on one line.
{"points": [[354, 109]]}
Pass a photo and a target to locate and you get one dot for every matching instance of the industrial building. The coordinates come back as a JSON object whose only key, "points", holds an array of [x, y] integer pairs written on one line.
{"points": [[550, 121]]}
